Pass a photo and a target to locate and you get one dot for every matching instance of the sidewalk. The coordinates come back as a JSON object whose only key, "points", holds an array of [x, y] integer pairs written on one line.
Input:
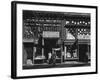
{"points": [[58, 65]]}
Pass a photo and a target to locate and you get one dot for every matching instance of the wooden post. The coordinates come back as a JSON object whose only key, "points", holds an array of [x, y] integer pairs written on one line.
{"points": [[33, 55], [65, 48], [34, 51], [42, 47]]}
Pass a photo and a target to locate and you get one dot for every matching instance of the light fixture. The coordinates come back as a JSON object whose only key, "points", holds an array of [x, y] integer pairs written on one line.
{"points": [[80, 21], [86, 23], [83, 21], [81, 29], [72, 21], [84, 29]]}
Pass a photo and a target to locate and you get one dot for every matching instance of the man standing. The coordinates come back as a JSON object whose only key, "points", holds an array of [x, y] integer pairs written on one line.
{"points": [[54, 57], [49, 57]]}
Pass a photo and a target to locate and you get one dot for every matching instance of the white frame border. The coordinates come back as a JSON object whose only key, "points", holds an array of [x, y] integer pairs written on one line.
{"points": [[51, 71]]}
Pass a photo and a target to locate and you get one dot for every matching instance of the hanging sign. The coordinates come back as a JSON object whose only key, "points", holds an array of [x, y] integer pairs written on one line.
{"points": [[50, 34]]}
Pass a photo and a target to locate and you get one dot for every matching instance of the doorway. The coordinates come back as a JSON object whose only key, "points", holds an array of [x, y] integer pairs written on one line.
{"points": [[49, 43], [83, 49]]}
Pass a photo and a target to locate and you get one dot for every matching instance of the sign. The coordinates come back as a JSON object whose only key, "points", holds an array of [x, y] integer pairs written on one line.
{"points": [[50, 34]]}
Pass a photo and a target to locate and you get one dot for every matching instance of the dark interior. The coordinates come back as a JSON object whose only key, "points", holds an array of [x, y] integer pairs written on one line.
{"points": [[49, 43], [83, 49]]}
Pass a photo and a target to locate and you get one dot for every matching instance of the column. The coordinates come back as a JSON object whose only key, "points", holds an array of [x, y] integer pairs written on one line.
{"points": [[65, 48], [42, 47]]}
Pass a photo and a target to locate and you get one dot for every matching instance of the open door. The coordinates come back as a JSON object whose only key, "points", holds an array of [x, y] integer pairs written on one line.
{"points": [[83, 49], [49, 43]]}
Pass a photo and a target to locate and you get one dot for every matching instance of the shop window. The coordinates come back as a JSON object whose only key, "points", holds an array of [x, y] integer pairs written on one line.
{"points": [[71, 51], [28, 54], [58, 54]]}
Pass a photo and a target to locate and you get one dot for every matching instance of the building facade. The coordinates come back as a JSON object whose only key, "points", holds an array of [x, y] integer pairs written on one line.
{"points": [[68, 34]]}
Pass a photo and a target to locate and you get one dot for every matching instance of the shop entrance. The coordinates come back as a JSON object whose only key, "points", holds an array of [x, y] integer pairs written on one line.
{"points": [[83, 49], [49, 44]]}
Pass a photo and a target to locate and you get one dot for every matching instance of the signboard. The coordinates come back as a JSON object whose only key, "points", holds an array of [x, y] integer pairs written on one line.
{"points": [[50, 34]]}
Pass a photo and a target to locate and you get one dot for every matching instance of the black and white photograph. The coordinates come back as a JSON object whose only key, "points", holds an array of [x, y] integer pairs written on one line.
{"points": [[56, 39], [53, 39]]}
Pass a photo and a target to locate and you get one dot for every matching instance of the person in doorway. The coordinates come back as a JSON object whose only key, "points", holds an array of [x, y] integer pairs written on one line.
{"points": [[63, 56], [49, 57], [54, 57]]}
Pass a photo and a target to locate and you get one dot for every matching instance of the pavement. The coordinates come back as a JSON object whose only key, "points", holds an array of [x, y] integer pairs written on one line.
{"points": [[57, 65]]}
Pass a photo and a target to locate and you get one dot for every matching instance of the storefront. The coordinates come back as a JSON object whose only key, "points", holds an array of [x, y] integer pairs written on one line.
{"points": [[64, 33], [77, 43]]}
